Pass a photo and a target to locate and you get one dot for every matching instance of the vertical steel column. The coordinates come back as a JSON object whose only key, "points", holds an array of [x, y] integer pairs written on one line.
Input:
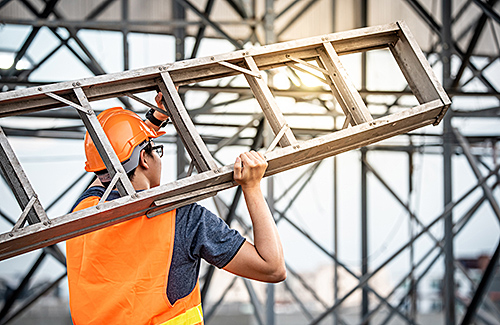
{"points": [[335, 203], [126, 56], [335, 240], [363, 23], [179, 14], [364, 190], [254, 301], [270, 315], [412, 314], [334, 14], [269, 22], [270, 39], [449, 282], [364, 234]]}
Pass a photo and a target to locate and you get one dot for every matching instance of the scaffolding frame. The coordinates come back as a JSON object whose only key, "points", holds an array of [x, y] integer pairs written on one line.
{"points": [[444, 37], [210, 179]]}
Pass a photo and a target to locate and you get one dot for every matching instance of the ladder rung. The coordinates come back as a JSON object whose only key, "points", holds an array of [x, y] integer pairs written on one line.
{"points": [[193, 143], [268, 104], [103, 145], [342, 87]]}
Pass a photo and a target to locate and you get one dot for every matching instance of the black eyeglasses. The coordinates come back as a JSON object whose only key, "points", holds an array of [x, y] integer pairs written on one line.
{"points": [[158, 149]]}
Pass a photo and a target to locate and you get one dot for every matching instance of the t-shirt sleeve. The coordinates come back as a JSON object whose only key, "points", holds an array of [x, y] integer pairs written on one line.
{"points": [[208, 236]]}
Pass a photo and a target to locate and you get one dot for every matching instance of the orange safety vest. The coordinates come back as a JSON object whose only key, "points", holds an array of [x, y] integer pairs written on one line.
{"points": [[118, 274]]}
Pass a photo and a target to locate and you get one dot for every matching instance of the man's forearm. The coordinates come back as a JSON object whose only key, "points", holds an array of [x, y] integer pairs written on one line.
{"points": [[266, 237]]}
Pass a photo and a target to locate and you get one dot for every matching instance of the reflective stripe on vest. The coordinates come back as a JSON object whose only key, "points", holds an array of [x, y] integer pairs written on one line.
{"points": [[192, 316]]}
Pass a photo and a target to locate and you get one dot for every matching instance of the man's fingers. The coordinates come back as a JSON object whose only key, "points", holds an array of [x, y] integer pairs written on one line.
{"points": [[246, 159], [158, 98], [256, 158], [252, 157], [237, 168]]}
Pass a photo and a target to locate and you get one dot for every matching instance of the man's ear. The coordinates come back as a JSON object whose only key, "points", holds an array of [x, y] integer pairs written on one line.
{"points": [[143, 159]]}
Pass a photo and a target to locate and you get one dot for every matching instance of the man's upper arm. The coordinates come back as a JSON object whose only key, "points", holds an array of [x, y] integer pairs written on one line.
{"points": [[208, 236], [249, 264]]}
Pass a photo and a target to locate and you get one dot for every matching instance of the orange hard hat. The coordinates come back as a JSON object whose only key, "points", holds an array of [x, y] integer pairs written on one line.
{"points": [[125, 131]]}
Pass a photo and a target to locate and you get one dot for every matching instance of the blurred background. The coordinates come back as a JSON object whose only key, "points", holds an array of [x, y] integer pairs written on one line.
{"points": [[402, 231]]}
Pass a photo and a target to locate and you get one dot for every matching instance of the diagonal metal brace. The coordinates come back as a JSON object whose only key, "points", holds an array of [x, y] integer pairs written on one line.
{"points": [[145, 103], [22, 219], [277, 138], [68, 102], [296, 67], [110, 187], [472, 162], [307, 64], [240, 69]]}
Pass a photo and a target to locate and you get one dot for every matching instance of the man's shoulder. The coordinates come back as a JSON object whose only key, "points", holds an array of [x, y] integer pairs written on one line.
{"points": [[194, 215], [193, 210]]}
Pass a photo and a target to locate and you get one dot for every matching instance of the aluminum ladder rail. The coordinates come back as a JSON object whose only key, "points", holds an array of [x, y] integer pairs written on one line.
{"points": [[35, 230]]}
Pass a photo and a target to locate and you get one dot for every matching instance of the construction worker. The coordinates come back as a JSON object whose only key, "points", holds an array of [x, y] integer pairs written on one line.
{"points": [[145, 270]]}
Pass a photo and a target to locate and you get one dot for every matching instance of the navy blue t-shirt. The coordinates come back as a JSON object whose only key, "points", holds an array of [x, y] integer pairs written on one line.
{"points": [[198, 234]]}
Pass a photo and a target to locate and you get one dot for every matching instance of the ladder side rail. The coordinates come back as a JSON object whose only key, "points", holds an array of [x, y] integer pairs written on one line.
{"points": [[190, 137], [279, 160], [417, 70], [343, 46], [194, 70], [112, 212], [268, 104], [342, 87], [176, 201], [103, 145]]}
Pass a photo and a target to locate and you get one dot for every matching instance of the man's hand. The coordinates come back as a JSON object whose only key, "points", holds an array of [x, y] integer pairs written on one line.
{"points": [[249, 169], [159, 103], [158, 115]]}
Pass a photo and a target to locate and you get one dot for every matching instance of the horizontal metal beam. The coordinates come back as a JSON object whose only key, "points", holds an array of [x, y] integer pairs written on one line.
{"points": [[119, 25]]}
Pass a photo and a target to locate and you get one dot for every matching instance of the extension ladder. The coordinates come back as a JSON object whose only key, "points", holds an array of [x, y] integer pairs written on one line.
{"points": [[34, 229]]}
